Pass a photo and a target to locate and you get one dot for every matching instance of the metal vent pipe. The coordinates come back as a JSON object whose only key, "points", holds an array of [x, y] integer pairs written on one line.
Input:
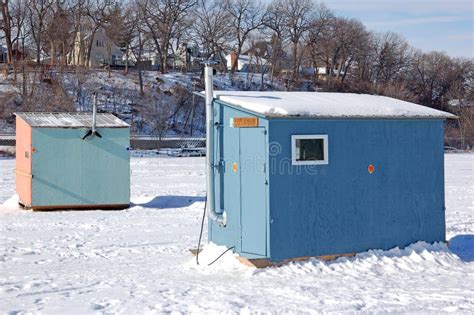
{"points": [[94, 114], [218, 217]]}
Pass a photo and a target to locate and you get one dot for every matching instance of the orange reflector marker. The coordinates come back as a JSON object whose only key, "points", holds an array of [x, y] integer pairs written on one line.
{"points": [[371, 169], [235, 167]]}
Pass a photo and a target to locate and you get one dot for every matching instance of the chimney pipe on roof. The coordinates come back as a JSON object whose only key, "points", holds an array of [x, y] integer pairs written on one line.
{"points": [[94, 114], [93, 131]]}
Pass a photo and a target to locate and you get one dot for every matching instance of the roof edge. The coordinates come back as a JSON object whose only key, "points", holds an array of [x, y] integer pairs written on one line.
{"points": [[444, 116], [296, 117], [123, 124]]}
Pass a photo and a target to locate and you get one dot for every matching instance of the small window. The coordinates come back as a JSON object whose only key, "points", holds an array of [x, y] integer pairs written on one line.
{"points": [[309, 149]]}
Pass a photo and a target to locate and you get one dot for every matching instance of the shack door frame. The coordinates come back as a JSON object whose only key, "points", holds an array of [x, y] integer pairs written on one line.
{"points": [[246, 204]]}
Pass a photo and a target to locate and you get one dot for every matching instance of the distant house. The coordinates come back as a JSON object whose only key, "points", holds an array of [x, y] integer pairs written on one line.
{"points": [[150, 60], [461, 105], [103, 50], [247, 62], [17, 54], [199, 56], [321, 73], [182, 58], [3, 54]]}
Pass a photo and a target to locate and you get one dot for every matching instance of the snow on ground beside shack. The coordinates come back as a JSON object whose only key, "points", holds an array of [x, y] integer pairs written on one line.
{"points": [[326, 104], [137, 260]]}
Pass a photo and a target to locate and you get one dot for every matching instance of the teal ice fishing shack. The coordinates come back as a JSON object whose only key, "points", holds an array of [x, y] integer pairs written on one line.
{"points": [[72, 161], [299, 174]]}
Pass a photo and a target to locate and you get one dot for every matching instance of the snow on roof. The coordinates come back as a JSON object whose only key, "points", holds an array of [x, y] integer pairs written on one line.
{"points": [[327, 104], [71, 120]]}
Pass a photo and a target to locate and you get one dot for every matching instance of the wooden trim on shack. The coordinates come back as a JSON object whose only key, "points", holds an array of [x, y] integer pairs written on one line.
{"points": [[264, 263], [78, 207]]}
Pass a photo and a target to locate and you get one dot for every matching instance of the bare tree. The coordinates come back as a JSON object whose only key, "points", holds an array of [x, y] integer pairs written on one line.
{"points": [[275, 22], [79, 17], [299, 14], [260, 53], [430, 77], [139, 38], [6, 26], [162, 19], [342, 40], [465, 124], [13, 26], [128, 28], [315, 40], [38, 13], [98, 13], [461, 93], [246, 16], [392, 56], [211, 27], [59, 32], [159, 111]]}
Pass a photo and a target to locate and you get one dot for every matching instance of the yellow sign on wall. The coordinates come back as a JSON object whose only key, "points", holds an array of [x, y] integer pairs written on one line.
{"points": [[244, 122]]}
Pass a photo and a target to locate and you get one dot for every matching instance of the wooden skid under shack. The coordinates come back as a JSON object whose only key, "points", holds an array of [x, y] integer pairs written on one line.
{"points": [[75, 207], [264, 263]]}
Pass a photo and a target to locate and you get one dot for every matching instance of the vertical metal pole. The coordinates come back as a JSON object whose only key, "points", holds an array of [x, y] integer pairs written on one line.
{"points": [[94, 113], [220, 218]]}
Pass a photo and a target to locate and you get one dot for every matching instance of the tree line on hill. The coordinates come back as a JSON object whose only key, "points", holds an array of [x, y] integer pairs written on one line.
{"points": [[300, 42]]}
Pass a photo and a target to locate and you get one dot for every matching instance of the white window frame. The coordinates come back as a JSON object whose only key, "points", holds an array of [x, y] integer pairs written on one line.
{"points": [[325, 148]]}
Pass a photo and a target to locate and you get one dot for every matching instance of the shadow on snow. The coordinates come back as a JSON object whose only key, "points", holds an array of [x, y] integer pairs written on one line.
{"points": [[463, 247], [168, 202]]}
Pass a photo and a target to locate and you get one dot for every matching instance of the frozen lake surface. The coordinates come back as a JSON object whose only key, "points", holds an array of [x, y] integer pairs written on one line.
{"points": [[137, 260]]}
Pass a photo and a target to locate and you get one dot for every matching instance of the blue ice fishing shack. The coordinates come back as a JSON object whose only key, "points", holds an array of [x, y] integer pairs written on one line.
{"points": [[300, 174], [72, 161]]}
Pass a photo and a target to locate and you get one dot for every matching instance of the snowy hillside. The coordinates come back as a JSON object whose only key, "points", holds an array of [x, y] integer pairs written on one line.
{"points": [[137, 260], [166, 104]]}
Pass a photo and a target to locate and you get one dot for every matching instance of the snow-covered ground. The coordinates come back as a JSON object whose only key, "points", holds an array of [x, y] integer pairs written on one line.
{"points": [[137, 260]]}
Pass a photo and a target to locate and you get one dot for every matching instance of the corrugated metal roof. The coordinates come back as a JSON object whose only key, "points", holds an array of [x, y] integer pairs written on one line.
{"points": [[71, 120]]}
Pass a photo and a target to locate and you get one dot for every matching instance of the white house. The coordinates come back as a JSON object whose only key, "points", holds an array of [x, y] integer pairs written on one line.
{"points": [[103, 50], [246, 63]]}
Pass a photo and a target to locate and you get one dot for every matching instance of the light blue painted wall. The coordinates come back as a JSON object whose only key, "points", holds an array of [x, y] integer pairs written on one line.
{"points": [[231, 143], [70, 171]]}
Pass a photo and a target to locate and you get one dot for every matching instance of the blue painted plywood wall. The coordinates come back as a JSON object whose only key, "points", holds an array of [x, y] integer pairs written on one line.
{"points": [[340, 207]]}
